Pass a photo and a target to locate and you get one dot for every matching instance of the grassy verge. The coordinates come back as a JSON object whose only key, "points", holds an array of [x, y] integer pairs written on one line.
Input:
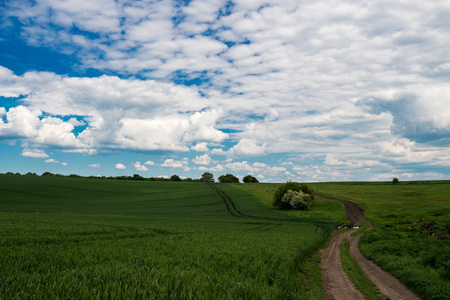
{"points": [[356, 275]]}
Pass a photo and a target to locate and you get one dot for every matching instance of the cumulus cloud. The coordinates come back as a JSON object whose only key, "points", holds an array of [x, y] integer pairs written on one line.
{"points": [[217, 168], [51, 160], [218, 151], [149, 163], [24, 123], [203, 160], [35, 153], [171, 163], [139, 167], [117, 113], [421, 113], [322, 81], [332, 161], [239, 166], [95, 166], [200, 147], [120, 167], [21, 122], [248, 147]]}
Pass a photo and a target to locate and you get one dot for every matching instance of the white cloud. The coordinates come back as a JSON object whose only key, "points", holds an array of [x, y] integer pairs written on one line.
{"points": [[118, 113], [74, 122], [35, 153], [321, 81], [200, 147], [54, 131], [95, 166], [248, 147], [21, 123], [218, 151], [64, 164], [217, 168], [51, 160], [259, 165], [149, 163], [120, 167], [332, 161], [239, 166], [171, 163], [139, 167], [203, 160], [277, 169]]}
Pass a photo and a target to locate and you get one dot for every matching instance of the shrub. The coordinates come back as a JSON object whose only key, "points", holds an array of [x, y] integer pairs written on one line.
{"points": [[282, 189], [297, 200]]}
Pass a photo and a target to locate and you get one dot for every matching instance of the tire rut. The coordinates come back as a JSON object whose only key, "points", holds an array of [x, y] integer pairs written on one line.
{"points": [[227, 201]]}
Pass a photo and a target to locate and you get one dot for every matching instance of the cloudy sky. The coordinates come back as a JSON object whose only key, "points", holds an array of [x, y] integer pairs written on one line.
{"points": [[284, 90]]}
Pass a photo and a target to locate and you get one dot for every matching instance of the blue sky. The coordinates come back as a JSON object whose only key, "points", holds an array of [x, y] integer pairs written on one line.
{"points": [[283, 90]]}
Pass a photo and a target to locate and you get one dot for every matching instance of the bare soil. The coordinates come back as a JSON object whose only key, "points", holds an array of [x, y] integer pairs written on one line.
{"points": [[335, 281]]}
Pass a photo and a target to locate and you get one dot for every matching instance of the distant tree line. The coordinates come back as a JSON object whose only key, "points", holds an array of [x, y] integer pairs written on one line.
{"points": [[206, 177], [229, 178]]}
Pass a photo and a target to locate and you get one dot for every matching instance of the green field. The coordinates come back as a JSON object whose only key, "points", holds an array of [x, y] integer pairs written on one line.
{"points": [[86, 238], [411, 237]]}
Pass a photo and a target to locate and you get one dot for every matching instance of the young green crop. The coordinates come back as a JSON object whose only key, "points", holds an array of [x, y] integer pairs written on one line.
{"points": [[92, 238]]}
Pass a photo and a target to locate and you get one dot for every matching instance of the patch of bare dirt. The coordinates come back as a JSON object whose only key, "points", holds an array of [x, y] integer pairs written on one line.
{"points": [[334, 280]]}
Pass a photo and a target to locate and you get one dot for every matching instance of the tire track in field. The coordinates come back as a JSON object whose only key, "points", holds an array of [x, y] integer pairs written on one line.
{"points": [[333, 282], [227, 201]]}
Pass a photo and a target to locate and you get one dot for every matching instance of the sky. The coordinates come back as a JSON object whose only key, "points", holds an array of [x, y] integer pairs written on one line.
{"points": [[283, 90]]}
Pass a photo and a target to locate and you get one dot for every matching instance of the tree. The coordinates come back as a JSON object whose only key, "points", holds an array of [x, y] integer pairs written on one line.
{"points": [[250, 179], [229, 178], [395, 180], [137, 177], [175, 178], [207, 177], [289, 186]]}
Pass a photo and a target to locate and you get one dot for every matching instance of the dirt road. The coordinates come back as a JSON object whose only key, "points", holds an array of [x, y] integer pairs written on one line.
{"points": [[334, 280]]}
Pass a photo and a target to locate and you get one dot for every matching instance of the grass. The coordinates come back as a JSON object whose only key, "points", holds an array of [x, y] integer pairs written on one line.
{"points": [[92, 238], [356, 275], [408, 239]]}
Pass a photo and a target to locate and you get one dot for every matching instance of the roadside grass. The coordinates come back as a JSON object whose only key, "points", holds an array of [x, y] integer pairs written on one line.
{"points": [[356, 275], [92, 238], [409, 238]]}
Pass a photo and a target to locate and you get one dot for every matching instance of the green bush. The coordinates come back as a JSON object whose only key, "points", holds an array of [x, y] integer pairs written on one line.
{"points": [[297, 200], [284, 188]]}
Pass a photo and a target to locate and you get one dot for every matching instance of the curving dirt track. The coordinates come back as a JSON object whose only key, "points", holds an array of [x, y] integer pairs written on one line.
{"points": [[334, 280]]}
